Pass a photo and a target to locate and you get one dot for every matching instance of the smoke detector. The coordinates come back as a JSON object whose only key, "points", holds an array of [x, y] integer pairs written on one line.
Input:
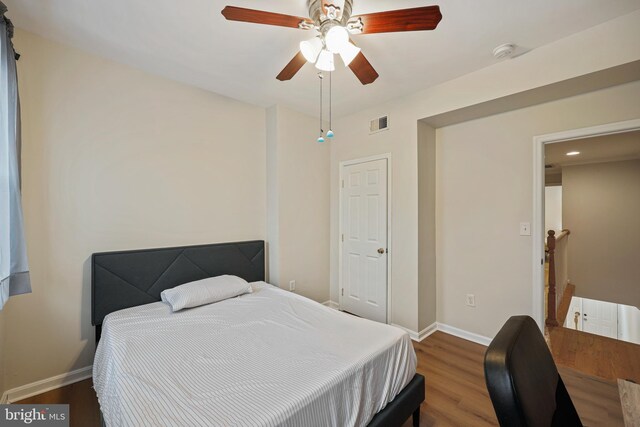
{"points": [[504, 51]]}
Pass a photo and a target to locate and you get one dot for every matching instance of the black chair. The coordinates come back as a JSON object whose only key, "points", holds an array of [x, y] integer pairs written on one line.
{"points": [[523, 381]]}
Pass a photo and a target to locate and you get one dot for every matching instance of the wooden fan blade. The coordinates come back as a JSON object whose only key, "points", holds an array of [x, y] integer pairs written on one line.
{"points": [[292, 67], [363, 69], [241, 14], [416, 19]]}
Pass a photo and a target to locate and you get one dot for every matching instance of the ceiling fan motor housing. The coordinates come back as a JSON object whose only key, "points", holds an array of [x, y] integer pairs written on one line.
{"points": [[318, 14]]}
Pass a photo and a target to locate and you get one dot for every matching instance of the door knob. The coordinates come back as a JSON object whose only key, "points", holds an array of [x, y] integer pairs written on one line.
{"points": [[381, 251]]}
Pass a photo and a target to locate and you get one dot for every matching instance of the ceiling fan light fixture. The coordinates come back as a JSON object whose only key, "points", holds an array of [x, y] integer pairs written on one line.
{"points": [[348, 53], [334, 21], [311, 49], [325, 61], [336, 38]]}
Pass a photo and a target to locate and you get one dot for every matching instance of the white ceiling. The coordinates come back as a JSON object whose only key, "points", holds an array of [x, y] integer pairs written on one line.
{"points": [[616, 147], [190, 41]]}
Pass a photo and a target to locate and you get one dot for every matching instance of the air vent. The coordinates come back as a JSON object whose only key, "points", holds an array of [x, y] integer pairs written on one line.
{"points": [[379, 124]]}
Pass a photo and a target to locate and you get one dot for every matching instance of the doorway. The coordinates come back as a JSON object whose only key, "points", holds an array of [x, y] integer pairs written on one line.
{"points": [[364, 237], [550, 142]]}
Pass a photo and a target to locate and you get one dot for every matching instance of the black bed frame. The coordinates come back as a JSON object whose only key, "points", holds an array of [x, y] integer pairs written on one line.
{"points": [[130, 278]]}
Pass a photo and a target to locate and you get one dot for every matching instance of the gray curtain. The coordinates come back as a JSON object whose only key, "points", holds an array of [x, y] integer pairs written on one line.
{"points": [[14, 268]]}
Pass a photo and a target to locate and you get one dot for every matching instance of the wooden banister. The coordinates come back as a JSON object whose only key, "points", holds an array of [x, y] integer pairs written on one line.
{"points": [[551, 297]]}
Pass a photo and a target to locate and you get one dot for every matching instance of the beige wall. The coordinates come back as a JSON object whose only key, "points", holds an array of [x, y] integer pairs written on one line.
{"points": [[601, 207], [353, 141], [273, 198], [614, 42], [479, 247], [427, 306], [298, 203], [114, 158]]}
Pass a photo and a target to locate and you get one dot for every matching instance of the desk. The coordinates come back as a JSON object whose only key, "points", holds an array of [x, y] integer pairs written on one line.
{"points": [[630, 401]]}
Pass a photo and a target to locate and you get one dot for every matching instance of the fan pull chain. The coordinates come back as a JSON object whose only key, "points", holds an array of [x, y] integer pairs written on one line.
{"points": [[330, 133], [321, 137]]}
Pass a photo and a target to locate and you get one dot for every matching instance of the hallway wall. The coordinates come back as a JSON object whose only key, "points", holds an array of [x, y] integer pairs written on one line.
{"points": [[601, 207]]}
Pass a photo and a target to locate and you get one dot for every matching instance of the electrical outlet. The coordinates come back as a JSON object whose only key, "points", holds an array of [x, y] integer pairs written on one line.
{"points": [[292, 285], [471, 300]]}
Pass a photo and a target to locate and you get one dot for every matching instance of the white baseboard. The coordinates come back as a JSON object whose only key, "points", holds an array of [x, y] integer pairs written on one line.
{"points": [[451, 330], [419, 336], [331, 304], [427, 331], [42, 386], [461, 333]]}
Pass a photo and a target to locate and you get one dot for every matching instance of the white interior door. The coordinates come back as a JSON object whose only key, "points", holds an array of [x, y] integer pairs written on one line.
{"points": [[364, 237], [599, 317]]}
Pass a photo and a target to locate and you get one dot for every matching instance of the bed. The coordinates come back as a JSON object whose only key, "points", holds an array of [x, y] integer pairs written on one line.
{"points": [[267, 358]]}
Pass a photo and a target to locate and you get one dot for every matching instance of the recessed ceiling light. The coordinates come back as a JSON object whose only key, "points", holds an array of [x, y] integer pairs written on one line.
{"points": [[573, 153]]}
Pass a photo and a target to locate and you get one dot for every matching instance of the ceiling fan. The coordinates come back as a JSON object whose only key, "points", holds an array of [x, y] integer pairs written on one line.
{"points": [[332, 21]]}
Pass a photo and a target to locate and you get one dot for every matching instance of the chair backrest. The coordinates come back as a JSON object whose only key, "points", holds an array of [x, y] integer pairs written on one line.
{"points": [[523, 381]]}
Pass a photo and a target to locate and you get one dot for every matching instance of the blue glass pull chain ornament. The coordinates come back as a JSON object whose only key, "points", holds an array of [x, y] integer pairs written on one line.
{"points": [[330, 133], [321, 138]]}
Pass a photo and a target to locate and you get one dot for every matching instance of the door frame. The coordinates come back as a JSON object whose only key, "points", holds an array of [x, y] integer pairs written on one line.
{"points": [[342, 164], [537, 227]]}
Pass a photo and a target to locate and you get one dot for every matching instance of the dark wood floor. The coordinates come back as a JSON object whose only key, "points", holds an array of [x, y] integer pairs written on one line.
{"points": [[457, 395], [83, 403], [455, 390]]}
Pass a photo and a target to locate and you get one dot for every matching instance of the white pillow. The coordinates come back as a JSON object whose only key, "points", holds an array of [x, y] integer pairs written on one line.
{"points": [[205, 291]]}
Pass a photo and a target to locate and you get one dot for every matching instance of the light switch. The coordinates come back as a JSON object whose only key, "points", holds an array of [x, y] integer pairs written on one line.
{"points": [[525, 229]]}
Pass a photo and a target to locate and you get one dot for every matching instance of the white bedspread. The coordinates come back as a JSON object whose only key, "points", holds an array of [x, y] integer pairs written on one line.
{"points": [[270, 358]]}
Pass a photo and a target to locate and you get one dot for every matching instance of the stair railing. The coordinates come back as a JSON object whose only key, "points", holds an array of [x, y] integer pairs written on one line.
{"points": [[555, 292]]}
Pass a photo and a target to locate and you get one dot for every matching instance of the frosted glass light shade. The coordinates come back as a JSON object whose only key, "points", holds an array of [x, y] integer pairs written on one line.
{"points": [[311, 49], [325, 61], [336, 38], [348, 53]]}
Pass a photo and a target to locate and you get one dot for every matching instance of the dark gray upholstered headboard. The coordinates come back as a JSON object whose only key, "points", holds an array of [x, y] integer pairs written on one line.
{"points": [[131, 278]]}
